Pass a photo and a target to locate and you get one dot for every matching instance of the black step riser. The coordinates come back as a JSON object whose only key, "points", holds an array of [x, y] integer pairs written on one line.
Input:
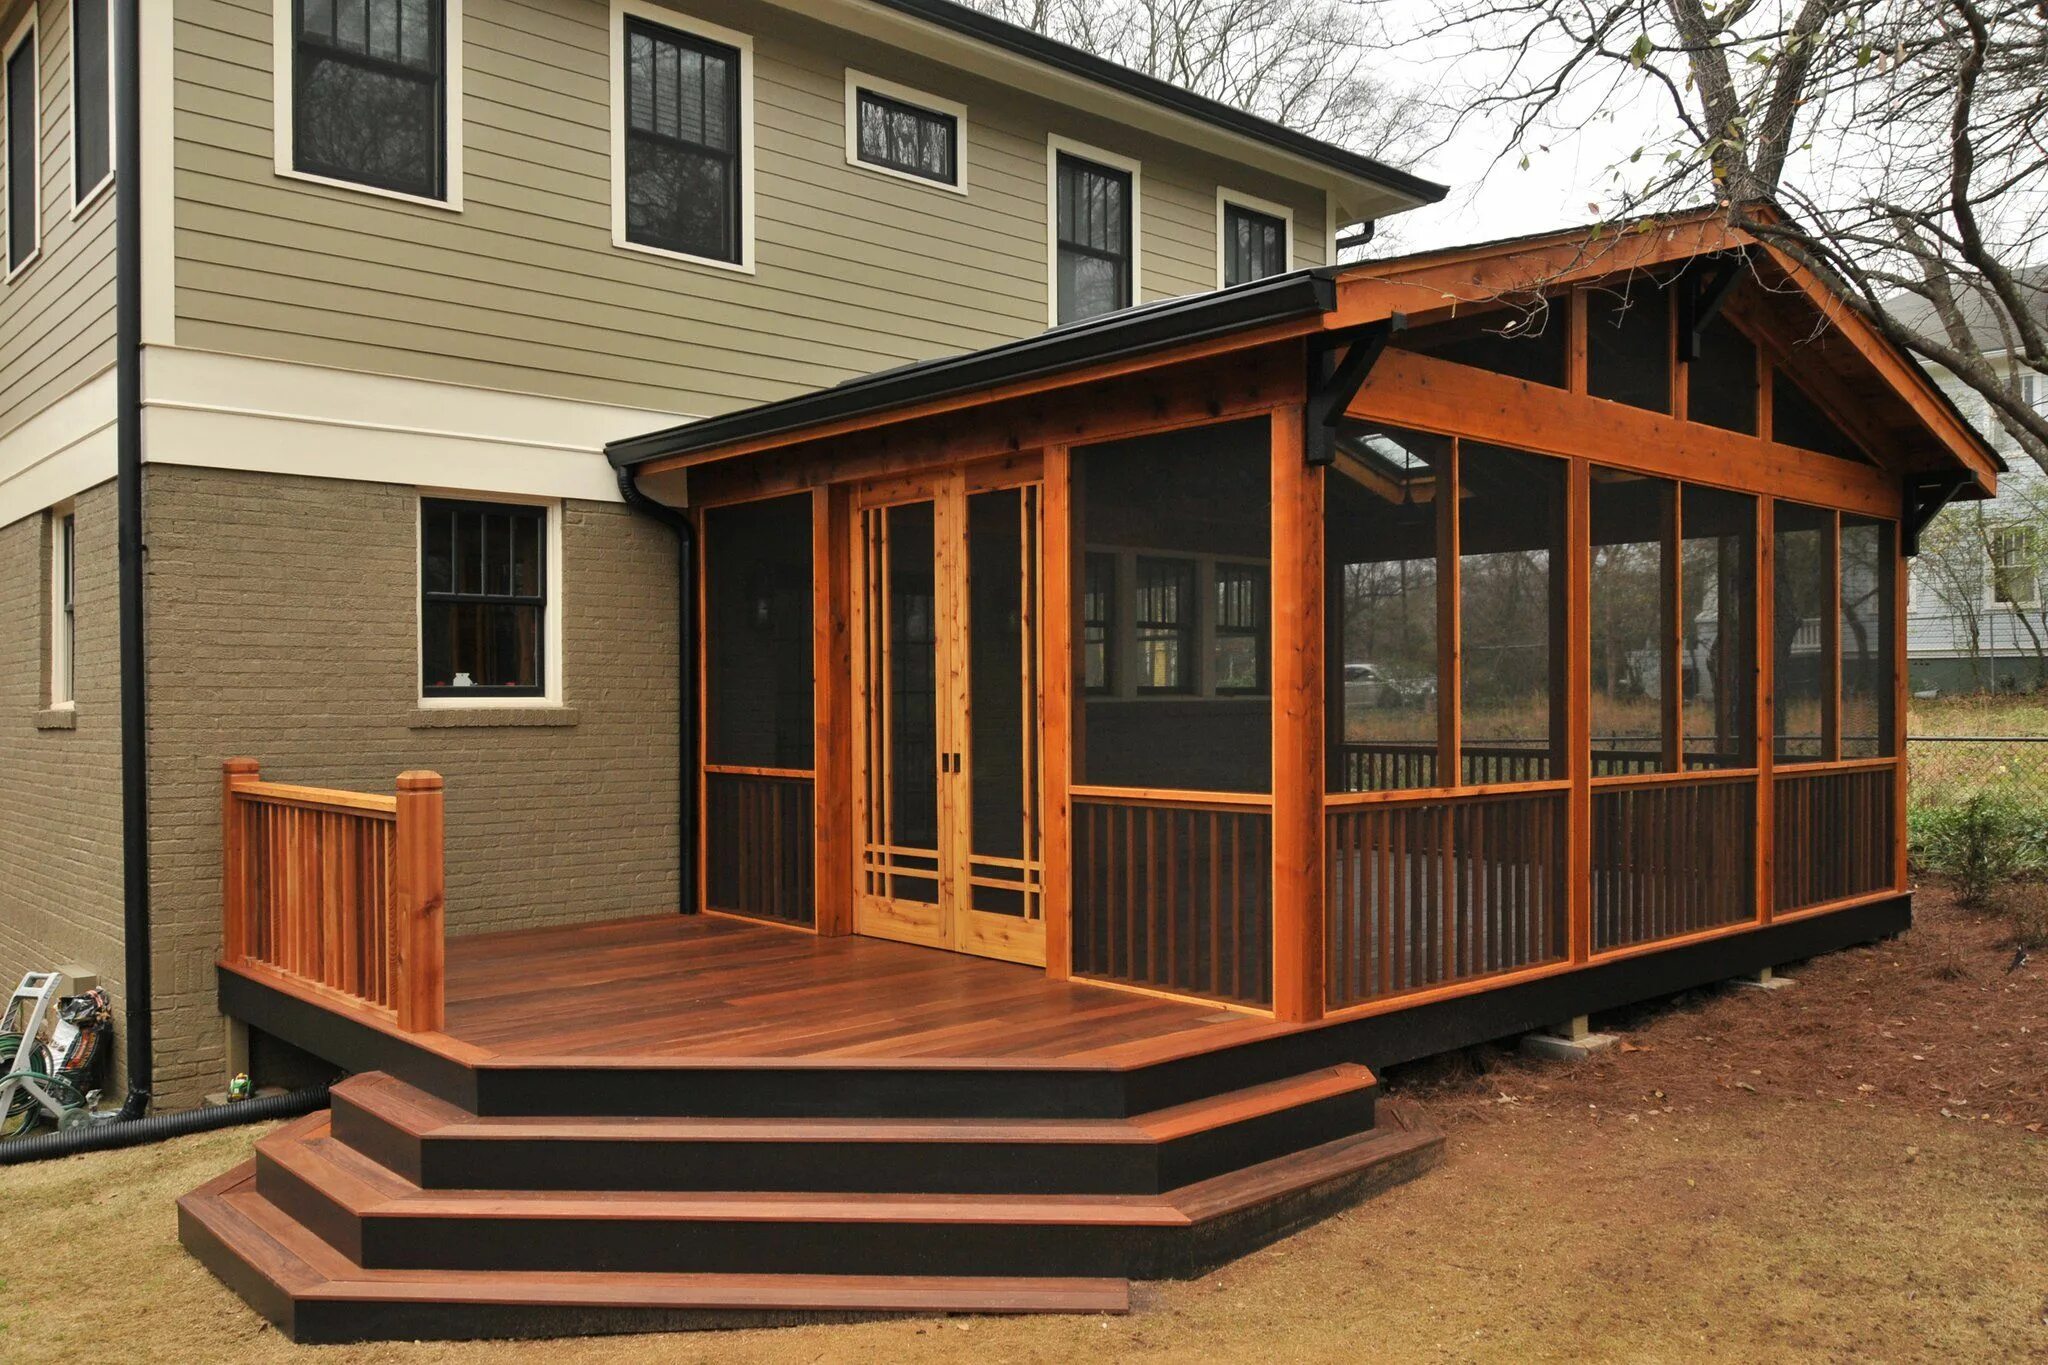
{"points": [[923, 1167], [310, 1207]]}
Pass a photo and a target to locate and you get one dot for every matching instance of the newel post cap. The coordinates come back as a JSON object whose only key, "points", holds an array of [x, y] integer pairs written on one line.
{"points": [[419, 782], [238, 766]]}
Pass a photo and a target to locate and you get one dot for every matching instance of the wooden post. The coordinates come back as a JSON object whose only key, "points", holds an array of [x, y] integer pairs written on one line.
{"points": [[237, 893], [1578, 701], [832, 667], [1831, 646], [1901, 699], [420, 900], [1056, 702], [1766, 709], [1297, 670]]}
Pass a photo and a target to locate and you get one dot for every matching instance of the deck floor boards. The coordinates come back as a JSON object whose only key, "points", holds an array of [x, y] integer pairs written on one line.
{"points": [[706, 986]]}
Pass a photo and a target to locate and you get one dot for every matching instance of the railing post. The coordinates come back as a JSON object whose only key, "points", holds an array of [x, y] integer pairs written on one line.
{"points": [[237, 892], [419, 899]]}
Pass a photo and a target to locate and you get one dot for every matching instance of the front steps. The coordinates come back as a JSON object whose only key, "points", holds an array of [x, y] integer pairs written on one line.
{"points": [[398, 1215]]}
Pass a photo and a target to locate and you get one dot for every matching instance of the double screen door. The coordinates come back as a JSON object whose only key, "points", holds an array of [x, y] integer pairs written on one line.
{"points": [[947, 663]]}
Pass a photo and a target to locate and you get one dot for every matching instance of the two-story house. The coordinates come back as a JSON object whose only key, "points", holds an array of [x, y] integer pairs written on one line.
{"points": [[401, 268]]}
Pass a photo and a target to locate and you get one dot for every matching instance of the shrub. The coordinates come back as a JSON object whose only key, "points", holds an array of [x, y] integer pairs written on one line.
{"points": [[2026, 905], [1980, 843]]}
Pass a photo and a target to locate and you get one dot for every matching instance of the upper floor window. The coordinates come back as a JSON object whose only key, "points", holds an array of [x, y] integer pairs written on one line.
{"points": [[683, 144], [1094, 232], [484, 599], [92, 156], [902, 132], [24, 146], [369, 97], [2014, 556], [1254, 244]]}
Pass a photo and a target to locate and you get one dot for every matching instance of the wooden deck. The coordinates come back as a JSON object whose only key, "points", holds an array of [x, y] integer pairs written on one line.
{"points": [[710, 988]]}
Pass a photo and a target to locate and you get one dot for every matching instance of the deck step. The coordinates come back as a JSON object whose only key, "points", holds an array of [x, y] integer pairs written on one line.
{"points": [[380, 1219], [316, 1294], [438, 1145]]}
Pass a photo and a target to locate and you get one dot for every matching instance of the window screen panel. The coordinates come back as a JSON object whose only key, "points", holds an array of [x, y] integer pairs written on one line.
{"points": [[93, 155], [368, 101], [1721, 385], [758, 670], [1718, 627], [22, 167], [904, 137], [1628, 344], [682, 142], [1380, 550], [1534, 346], [1868, 589], [1511, 606], [1802, 674], [1633, 610], [1179, 513], [1093, 227], [1796, 420], [1254, 245], [483, 599]]}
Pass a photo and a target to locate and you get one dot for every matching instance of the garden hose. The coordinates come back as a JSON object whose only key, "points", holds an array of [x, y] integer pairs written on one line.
{"points": [[23, 1111]]}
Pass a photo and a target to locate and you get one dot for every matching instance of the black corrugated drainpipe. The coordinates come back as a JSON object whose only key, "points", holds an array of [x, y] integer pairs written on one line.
{"points": [[128, 494], [686, 683]]}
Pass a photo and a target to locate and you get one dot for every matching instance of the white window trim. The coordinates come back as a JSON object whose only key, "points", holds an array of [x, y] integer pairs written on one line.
{"points": [[281, 100], [551, 624], [857, 81], [1992, 600], [1055, 145], [63, 634], [26, 29], [616, 78], [1225, 197], [83, 198]]}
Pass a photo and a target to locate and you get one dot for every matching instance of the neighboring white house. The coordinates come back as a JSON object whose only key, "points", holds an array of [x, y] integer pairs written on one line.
{"points": [[1976, 617]]}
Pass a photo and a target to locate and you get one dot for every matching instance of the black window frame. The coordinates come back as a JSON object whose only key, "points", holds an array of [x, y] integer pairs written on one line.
{"points": [[102, 102], [1099, 626], [536, 512], [926, 116], [1065, 162], [67, 603], [1183, 627], [1233, 213], [19, 224], [1223, 626], [437, 12], [735, 158]]}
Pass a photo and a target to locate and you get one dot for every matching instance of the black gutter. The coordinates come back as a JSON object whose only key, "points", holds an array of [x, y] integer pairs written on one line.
{"points": [[1043, 50], [138, 993], [1280, 298], [686, 681]]}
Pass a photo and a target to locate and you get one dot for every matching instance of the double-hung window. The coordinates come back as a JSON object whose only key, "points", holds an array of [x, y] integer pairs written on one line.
{"points": [[1093, 238], [1098, 623], [1254, 244], [1239, 653], [483, 599], [683, 152], [24, 147], [1164, 621], [92, 156], [2014, 566], [369, 100]]}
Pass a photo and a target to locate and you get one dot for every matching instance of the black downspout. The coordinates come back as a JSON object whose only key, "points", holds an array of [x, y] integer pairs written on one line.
{"points": [[686, 682], [128, 492]]}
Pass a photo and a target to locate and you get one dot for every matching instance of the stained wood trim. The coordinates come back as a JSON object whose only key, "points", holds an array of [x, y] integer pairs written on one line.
{"points": [[1411, 796], [832, 686], [1578, 705], [1698, 777], [1153, 992], [1831, 643], [1766, 645], [1413, 390], [1829, 907], [702, 863], [1297, 717], [1835, 765], [316, 798], [1659, 945], [741, 770], [1152, 796], [1450, 729], [1059, 664], [1429, 995], [1901, 683]]}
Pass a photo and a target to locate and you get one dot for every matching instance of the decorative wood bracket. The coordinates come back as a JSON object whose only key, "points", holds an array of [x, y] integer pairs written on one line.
{"points": [[1700, 302], [1926, 494], [1334, 380]]}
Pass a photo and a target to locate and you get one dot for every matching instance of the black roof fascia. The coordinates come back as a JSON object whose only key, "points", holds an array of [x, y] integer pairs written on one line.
{"points": [[1279, 298], [1038, 48]]}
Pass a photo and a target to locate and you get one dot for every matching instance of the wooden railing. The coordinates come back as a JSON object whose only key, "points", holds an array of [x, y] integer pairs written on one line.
{"points": [[1671, 858], [1175, 894], [343, 891], [760, 844], [1834, 829]]}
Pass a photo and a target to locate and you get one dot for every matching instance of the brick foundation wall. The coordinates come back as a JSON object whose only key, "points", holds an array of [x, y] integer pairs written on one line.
{"points": [[60, 788], [283, 624]]}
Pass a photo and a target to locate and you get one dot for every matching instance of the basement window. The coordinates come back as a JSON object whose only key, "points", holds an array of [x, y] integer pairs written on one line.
{"points": [[484, 599]]}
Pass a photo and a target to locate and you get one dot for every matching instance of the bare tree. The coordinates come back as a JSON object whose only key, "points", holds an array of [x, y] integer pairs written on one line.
{"points": [[1898, 147], [1301, 63]]}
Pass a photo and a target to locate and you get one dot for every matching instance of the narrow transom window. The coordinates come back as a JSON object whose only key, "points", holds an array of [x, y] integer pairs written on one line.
{"points": [[483, 599], [1254, 245], [22, 151], [92, 150], [682, 142], [1098, 622], [904, 137], [369, 93], [1240, 648], [1165, 624], [1094, 239]]}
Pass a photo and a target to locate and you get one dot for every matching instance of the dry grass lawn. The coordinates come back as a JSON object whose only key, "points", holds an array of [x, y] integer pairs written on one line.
{"points": [[1850, 1170]]}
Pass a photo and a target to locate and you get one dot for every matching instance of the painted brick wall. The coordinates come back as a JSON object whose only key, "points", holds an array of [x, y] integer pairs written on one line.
{"points": [[60, 790], [283, 624]]}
